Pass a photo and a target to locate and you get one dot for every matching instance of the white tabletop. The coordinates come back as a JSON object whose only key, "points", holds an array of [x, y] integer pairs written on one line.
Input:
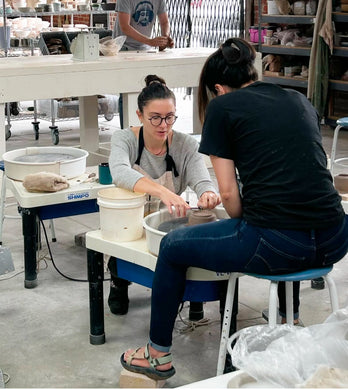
{"points": [[44, 77], [77, 191], [136, 252]]}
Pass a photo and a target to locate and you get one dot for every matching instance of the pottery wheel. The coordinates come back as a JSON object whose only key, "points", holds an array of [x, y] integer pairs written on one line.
{"points": [[174, 224], [44, 157]]}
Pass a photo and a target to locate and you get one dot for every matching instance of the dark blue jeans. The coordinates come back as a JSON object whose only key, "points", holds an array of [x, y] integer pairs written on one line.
{"points": [[233, 245]]}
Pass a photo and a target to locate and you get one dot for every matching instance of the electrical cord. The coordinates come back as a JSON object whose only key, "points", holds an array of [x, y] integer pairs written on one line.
{"points": [[10, 277], [6, 377], [53, 262], [190, 326]]}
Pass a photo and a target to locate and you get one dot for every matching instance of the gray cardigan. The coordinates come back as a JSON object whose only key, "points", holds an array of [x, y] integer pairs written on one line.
{"points": [[184, 150]]}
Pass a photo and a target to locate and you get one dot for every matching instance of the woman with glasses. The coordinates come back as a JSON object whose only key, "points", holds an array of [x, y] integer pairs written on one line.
{"points": [[288, 217], [156, 160]]}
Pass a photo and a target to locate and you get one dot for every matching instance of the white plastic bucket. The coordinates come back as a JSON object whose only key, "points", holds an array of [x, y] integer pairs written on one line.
{"points": [[121, 214]]}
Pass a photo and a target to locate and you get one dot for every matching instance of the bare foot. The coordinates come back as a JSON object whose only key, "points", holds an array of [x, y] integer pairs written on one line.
{"points": [[140, 360]]}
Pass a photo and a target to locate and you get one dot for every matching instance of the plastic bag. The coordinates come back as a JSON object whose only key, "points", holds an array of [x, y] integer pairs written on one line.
{"points": [[287, 356], [110, 47]]}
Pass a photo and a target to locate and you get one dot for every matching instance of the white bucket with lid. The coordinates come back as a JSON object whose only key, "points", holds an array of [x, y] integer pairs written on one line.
{"points": [[121, 214]]}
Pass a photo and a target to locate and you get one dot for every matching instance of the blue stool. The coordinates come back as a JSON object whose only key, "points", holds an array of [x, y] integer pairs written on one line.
{"points": [[341, 123], [273, 301]]}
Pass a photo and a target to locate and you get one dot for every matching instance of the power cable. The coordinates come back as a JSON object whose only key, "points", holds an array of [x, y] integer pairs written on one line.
{"points": [[53, 262]]}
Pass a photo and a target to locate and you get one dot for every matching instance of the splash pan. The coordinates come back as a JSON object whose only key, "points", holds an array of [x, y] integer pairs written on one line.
{"points": [[158, 224], [65, 161]]}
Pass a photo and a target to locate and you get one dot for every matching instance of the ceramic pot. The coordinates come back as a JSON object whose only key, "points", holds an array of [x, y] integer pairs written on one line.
{"points": [[201, 216]]}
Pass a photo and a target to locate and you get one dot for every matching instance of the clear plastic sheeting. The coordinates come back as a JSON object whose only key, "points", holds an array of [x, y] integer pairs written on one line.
{"points": [[110, 47], [287, 356]]}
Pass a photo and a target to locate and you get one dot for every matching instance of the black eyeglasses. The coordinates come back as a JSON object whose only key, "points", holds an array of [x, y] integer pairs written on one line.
{"points": [[156, 120]]}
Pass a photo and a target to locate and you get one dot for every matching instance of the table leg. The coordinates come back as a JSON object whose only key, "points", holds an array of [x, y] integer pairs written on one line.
{"points": [[30, 235], [2, 130], [196, 123], [130, 104], [95, 265], [89, 128]]}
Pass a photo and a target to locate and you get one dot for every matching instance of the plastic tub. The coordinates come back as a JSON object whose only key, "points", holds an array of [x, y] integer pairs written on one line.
{"points": [[121, 214], [152, 221], [65, 161]]}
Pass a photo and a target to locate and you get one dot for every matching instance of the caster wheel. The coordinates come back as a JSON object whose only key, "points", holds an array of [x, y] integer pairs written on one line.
{"points": [[8, 134], [54, 135], [36, 129], [109, 117]]}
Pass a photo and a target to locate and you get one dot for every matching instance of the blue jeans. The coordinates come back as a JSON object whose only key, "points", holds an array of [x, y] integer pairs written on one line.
{"points": [[233, 245]]}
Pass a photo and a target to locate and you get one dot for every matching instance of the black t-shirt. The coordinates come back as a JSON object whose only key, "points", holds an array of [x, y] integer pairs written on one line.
{"points": [[273, 136]]}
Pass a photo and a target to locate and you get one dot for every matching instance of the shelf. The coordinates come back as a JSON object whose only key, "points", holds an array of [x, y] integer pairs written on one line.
{"points": [[340, 51], [65, 12], [288, 19], [338, 85], [289, 50], [340, 16], [287, 81]]}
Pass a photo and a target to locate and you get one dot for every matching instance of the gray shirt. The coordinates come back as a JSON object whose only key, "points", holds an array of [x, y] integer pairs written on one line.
{"points": [[184, 151], [142, 18]]}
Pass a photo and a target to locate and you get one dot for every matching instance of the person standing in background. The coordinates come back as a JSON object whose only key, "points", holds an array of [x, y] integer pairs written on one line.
{"points": [[136, 19]]}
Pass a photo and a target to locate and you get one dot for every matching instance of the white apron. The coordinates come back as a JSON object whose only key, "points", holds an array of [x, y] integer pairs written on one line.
{"points": [[166, 180]]}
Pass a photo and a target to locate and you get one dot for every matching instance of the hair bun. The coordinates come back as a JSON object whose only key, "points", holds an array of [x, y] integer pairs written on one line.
{"points": [[152, 78], [236, 52]]}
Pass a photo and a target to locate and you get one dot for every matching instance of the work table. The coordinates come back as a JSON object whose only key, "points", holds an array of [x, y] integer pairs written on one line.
{"points": [[45, 77]]}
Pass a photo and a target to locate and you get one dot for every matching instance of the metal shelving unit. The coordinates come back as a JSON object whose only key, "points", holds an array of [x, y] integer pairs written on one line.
{"points": [[35, 115], [300, 51], [288, 19], [338, 89], [287, 50], [287, 81], [64, 12]]}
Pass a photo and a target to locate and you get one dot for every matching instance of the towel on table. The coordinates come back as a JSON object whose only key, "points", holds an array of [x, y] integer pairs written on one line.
{"points": [[45, 182]]}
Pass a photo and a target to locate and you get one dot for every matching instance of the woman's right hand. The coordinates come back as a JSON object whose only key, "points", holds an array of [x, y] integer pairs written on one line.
{"points": [[175, 203]]}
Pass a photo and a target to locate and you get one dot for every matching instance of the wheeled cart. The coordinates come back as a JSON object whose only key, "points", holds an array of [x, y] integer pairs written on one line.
{"points": [[68, 108]]}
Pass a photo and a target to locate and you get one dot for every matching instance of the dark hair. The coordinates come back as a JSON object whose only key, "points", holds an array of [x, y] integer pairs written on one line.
{"points": [[232, 65], [156, 88]]}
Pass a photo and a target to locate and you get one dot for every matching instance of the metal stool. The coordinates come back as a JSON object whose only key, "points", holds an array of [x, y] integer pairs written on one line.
{"points": [[273, 300], [3, 201], [3, 205], [226, 322], [341, 123]]}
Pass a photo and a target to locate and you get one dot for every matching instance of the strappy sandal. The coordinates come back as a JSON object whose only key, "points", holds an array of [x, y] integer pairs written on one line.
{"points": [[151, 371]]}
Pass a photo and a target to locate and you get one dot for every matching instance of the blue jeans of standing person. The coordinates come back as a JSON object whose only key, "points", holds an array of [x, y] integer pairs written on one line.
{"points": [[233, 245]]}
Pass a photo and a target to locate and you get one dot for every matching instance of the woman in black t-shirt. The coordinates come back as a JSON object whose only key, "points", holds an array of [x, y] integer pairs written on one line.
{"points": [[288, 216]]}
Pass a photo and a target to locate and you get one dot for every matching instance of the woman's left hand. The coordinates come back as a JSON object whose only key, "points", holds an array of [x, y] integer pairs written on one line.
{"points": [[209, 200]]}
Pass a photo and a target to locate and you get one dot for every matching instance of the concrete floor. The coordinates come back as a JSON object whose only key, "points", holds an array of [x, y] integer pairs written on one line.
{"points": [[44, 332]]}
